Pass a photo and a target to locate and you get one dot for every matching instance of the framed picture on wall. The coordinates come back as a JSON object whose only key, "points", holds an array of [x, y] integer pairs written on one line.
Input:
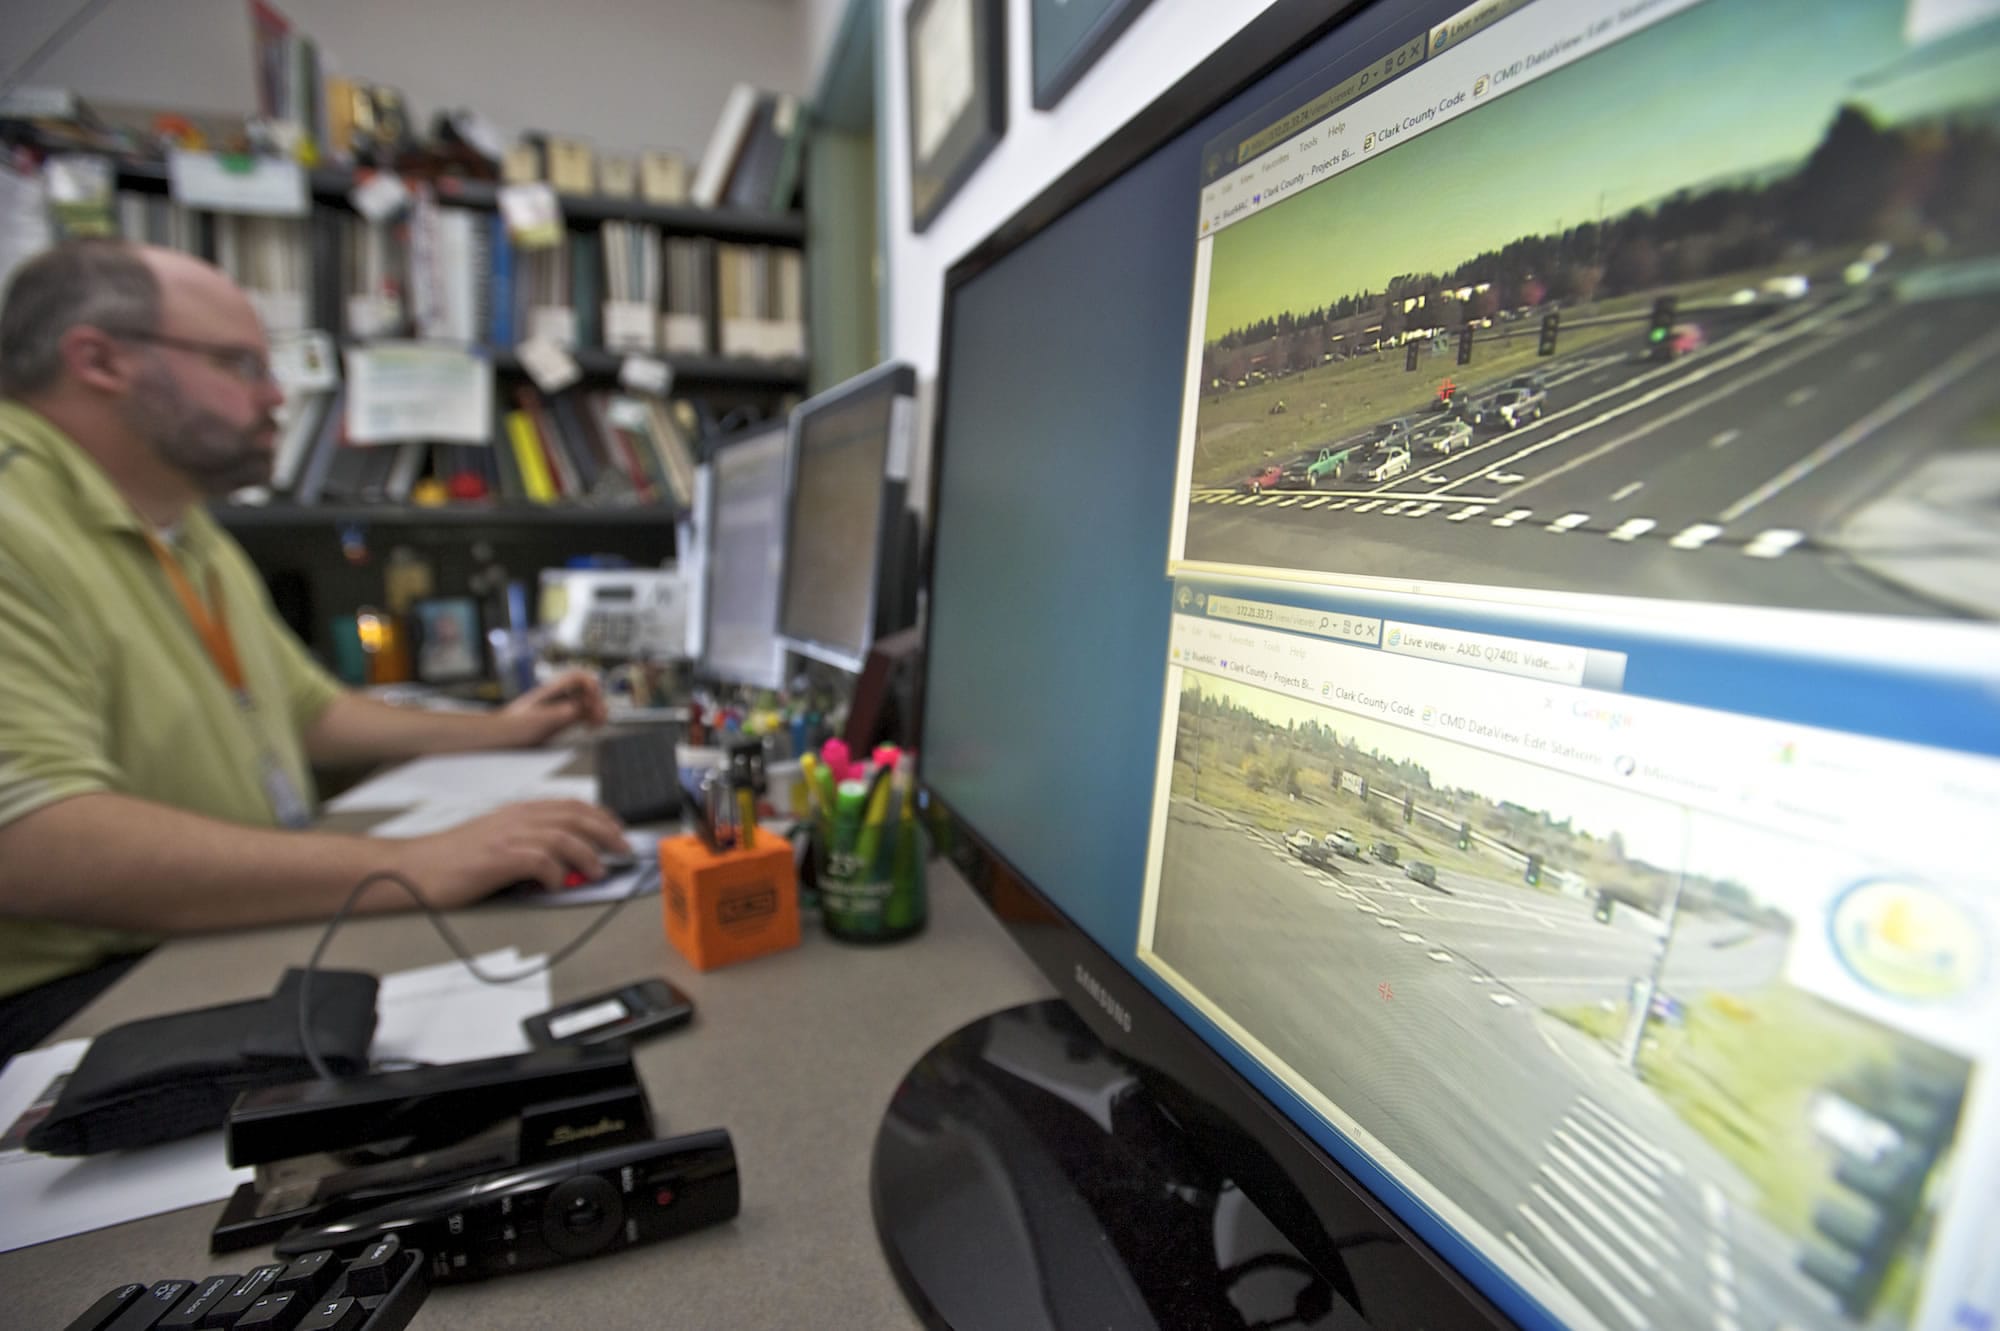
{"points": [[956, 61], [1067, 38]]}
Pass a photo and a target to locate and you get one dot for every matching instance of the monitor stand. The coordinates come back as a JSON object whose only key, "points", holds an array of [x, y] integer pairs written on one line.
{"points": [[1025, 1178]]}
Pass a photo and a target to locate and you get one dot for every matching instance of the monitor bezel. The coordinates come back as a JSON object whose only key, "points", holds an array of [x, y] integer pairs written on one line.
{"points": [[706, 663], [1336, 1222], [891, 379]]}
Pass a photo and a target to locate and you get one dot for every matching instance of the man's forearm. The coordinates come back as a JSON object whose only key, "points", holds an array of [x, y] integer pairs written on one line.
{"points": [[125, 863], [355, 730]]}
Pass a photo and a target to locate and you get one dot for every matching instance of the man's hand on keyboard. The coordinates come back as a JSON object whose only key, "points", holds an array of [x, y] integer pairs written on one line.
{"points": [[542, 840]]}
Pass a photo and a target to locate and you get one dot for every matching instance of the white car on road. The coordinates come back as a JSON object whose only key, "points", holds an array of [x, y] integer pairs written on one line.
{"points": [[1390, 462]]}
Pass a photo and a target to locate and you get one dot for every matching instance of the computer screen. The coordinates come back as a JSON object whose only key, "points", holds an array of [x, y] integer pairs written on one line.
{"points": [[1485, 615], [745, 555], [848, 561]]}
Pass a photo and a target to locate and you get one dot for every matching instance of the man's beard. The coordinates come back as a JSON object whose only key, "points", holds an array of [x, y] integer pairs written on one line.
{"points": [[212, 451]]}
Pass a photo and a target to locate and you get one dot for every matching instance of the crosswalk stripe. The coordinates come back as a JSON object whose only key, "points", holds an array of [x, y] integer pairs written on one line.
{"points": [[1619, 1302], [1388, 923], [1612, 1259], [1422, 509], [1315, 503], [1440, 956], [1528, 1256], [1371, 504], [1632, 529], [1510, 518], [1469, 510], [1288, 501], [1568, 521], [1397, 508], [1596, 1152], [1411, 938], [1695, 537], [1666, 1158], [1627, 1203], [1608, 1225], [1502, 1000], [1771, 544], [1338, 504], [1713, 1202], [1589, 1166]]}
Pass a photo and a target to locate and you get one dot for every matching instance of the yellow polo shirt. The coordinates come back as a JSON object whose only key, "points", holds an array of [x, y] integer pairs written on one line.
{"points": [[105, 684]]}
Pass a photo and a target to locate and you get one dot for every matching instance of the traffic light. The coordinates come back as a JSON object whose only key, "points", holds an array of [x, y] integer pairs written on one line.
{"points": [[1409, 356], [1465, 345], [1547, 346], [1663, 320], [1409, 807], [1465, 836], [1533, 875]]}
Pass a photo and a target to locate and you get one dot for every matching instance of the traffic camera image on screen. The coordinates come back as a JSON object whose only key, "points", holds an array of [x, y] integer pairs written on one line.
{"points": [[1684, 300], [1672, 1049]]}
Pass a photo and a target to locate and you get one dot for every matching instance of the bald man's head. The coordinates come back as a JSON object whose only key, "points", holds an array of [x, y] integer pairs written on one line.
{"points": [[148, 346], [103, 283]]}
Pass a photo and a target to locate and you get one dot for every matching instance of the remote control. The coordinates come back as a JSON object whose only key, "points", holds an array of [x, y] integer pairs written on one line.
{"points": [[522, 1219]]}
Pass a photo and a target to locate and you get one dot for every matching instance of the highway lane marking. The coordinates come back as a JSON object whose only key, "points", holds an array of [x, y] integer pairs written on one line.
{"points": [[1598, 1152], [1503, 1000], [1510, 518], [1638, 1282], [1410, 937], [1628, 1202], [1618, 1301], [1666, 1158], [1771, 544], [1440, 956], [1388, 923], [1686, 409], [1627, 491], [1530, 1258], [1695, 537], [1605, 1222], [1481, 979], [1468, 511], [1421, 906], [1956, 368], [1724, 438], [1632, 529], [1568, 521], [1780, 329]]}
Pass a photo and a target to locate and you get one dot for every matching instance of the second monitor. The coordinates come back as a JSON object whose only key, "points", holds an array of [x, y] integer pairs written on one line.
{"points": [[850, 540]]}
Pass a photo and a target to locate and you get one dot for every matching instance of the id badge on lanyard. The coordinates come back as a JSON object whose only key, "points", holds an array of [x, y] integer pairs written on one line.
{"points": [[288, 805]]}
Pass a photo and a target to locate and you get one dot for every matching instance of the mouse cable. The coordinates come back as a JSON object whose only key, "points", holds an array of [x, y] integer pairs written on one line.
{"points": [[452, 940]]}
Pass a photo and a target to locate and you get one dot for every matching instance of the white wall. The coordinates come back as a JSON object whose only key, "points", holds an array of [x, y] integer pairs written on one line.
{"points": [[625, 74], [1169, 38]]}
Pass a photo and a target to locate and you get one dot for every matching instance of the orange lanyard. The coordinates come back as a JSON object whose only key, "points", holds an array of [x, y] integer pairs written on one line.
{"points": [[211, 627]]}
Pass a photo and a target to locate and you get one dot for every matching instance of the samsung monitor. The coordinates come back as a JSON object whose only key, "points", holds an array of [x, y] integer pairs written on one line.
{"points": [[1461, 636], [745, 541], [849, 562]]}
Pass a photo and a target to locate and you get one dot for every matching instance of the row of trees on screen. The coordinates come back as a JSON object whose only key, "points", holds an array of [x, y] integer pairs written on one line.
{"points": [[1932, 186]]}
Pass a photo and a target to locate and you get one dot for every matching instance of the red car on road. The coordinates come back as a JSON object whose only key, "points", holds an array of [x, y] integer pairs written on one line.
{"points": [[1259, 481]]}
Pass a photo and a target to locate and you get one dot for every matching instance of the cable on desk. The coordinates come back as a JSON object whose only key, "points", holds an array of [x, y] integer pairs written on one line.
{"points": [[458, 948]]}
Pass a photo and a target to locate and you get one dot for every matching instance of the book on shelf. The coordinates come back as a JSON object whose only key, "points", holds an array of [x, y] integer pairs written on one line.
{"points": [[725, 147], [762, 295]]}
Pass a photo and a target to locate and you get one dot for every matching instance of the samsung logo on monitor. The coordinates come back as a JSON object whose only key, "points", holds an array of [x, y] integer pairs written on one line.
{"points": [[1112, 1007]]}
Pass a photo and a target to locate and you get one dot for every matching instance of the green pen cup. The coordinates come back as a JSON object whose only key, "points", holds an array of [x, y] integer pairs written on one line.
{"points": [[871, 898]]}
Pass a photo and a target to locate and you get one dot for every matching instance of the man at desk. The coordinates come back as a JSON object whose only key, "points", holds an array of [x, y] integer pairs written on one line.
{"points": [[158, 723]]}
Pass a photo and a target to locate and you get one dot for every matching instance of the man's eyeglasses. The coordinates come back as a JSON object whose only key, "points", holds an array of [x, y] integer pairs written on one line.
{"points": [[246, 363]]}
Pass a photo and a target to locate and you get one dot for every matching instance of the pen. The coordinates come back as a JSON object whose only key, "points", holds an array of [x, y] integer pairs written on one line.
{"points": [[871, 828]]}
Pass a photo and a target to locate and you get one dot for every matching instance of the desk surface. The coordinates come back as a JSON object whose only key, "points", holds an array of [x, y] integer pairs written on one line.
{"points": [[795, 1054]]}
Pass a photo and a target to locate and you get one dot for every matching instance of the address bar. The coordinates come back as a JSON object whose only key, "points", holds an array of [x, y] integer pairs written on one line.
{"points": [[1297, 619]]}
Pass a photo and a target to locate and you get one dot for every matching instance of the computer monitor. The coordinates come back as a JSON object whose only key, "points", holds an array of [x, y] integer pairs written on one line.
{"points": [[849, 565], [744, 556], [1461, 638]]}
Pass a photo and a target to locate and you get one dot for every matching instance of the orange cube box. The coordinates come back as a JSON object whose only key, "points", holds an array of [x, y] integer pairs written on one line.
{"points": [[732, 906]]}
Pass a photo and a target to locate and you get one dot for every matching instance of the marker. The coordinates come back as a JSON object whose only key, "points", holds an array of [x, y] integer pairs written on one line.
{"points": [[878, 814], [853, 798], [746, 808]]}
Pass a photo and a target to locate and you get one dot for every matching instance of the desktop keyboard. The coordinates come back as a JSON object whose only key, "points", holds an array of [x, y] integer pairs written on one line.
{"points": [[636, 776], [380, 1289]]}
